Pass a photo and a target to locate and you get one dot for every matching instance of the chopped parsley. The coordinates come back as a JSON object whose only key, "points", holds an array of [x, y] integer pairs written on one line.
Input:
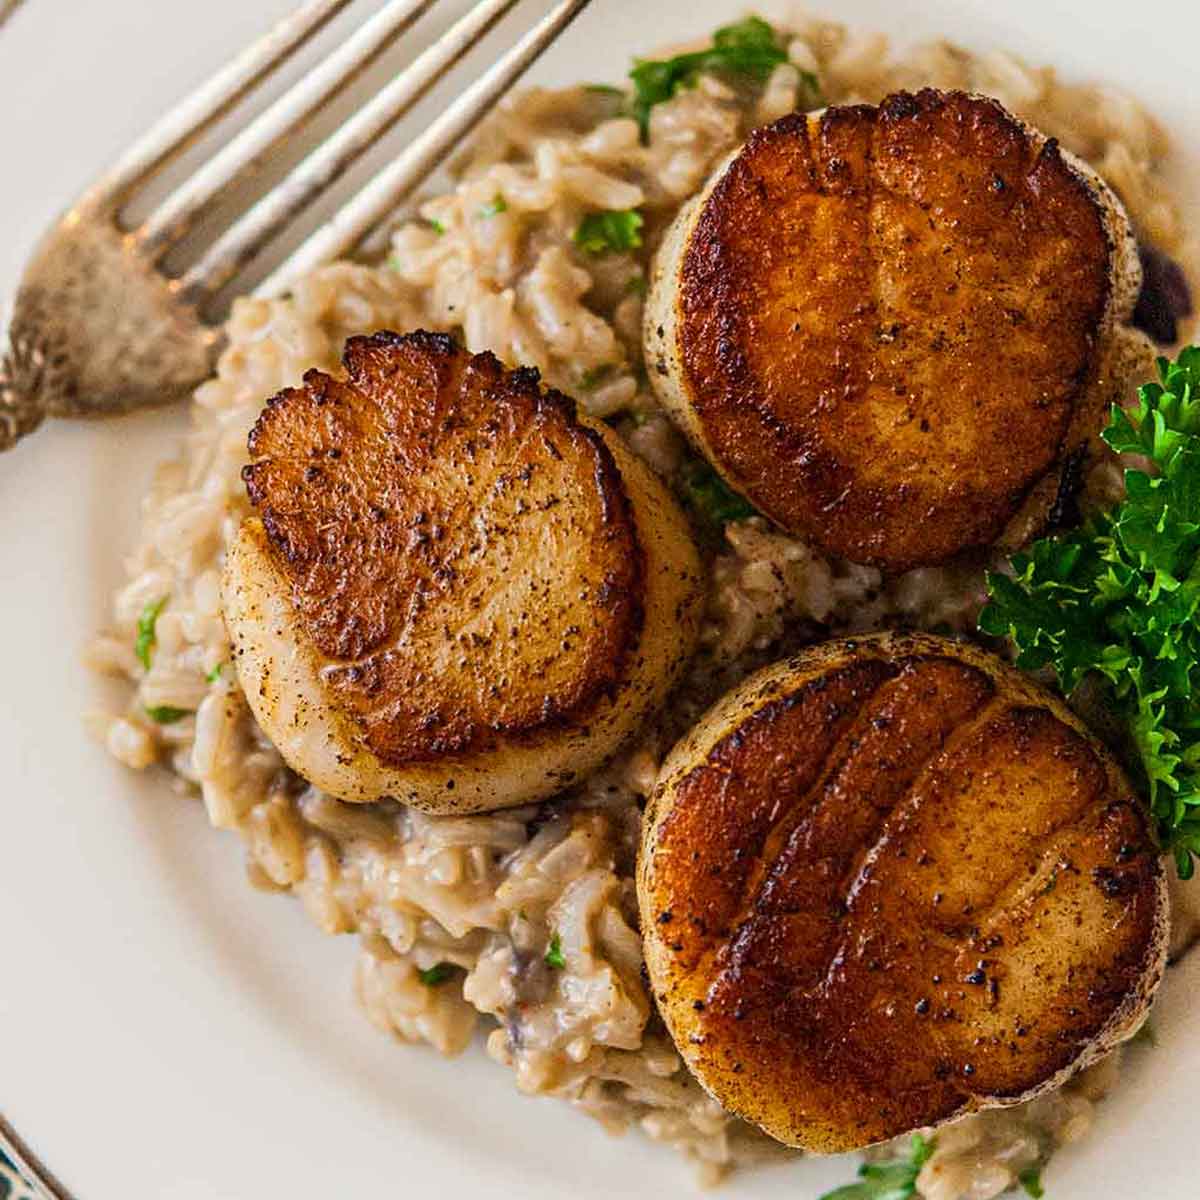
{"points": [[436, 974], [750, 48], [1146, 1035], [497, 206], [437, 226], [215, 674], [1030, 1180], [594, 376], [636, 285], [144, 646], [1119, 599], [893, 1180], [165, 714], [554, 954], [611, 230], [710, 497]]}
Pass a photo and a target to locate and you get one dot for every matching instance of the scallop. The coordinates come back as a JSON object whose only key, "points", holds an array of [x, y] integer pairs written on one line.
{"points": [[891, 881], [892, 328], [456, 590]]}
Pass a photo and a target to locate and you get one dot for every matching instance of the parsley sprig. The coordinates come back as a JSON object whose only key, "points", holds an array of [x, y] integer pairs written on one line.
{"points": [[710, 497], [750, 48], [610, 231], [146, 640], [1119, 598], [554, 953], [893, 1180]]}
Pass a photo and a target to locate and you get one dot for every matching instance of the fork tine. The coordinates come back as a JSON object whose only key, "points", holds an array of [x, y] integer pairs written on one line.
{"points": [[320, 168], [188, 119], [351, 223], [253, 144]]}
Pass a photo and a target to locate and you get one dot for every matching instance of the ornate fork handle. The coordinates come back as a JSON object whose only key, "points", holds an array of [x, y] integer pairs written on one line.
{"points": [[96, 331], [22, 410]]}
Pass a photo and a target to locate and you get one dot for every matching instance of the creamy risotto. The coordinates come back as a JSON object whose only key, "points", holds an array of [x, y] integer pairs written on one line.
{"points": [[521, 925]]}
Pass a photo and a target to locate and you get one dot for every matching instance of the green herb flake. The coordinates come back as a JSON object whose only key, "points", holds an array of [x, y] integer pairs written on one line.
{"points": [[144, 646], [711, 498], [609, 231], [215, 674], [636, 285], [892, 1180], [594, 376], [1030, 1180], [497, 206], [1146, 1035], [438, 973], [438, 227], [554, 954], [751, 49], [165, 714], [1119, 600]]}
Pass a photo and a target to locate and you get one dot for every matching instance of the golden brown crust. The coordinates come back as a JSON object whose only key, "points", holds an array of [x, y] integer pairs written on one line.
{"points": [[887, 319], [889, 882], [445, 525]]}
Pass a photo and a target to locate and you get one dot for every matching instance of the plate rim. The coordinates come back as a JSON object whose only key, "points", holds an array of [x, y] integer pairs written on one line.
{"points": [[42, 1179], [29, 1163]]}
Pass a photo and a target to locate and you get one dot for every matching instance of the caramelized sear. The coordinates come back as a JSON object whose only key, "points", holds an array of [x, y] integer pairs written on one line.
{"points": [[885, 326], [480, 591], [891, 881]]}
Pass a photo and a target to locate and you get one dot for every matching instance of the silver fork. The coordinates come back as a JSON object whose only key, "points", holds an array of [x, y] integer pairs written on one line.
{"points": [[98, 327]]}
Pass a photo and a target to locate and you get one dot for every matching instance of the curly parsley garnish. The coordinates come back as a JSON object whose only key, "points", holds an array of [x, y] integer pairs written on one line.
{"points": [[143, 647], [894, 1180], [710, 497], [1119, 598], [554, 954], [751, 49], [608, 231]]}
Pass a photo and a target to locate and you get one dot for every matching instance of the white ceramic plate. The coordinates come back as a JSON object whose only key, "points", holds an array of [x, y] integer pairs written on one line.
{"points": [[165, 1032]]}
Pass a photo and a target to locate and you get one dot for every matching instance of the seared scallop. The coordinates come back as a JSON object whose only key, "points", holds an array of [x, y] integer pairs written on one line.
{"points": [[457, 590], [890, 881], [888, 327]]}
